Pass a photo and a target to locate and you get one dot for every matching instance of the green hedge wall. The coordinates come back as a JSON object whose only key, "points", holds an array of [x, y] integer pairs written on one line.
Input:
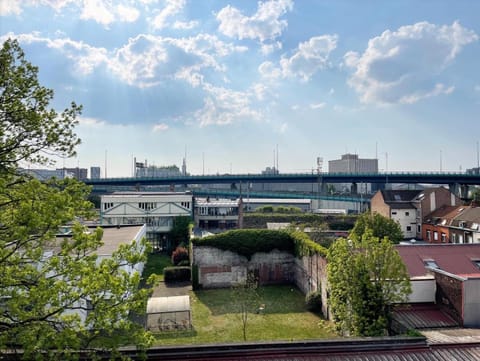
{"points": [[247, 242]]}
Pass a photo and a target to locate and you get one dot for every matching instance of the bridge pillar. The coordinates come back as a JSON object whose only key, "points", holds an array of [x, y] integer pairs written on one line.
{"points": [[464, 191], [354, 189], [454, 188]]}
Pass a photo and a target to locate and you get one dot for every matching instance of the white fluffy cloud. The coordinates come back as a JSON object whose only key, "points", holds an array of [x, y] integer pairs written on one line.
{"points": [[224, 106], [310, 57], [405, 66], [264, 25], [104, 12], [161, 127], [171, 8]]}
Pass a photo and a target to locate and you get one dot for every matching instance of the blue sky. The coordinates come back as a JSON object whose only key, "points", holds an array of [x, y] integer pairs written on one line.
{"points": [[232, 81]]}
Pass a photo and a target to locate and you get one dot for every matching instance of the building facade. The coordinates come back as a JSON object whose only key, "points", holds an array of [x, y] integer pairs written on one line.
{"points": [[351, 163], [155, 209], [95, 172]]}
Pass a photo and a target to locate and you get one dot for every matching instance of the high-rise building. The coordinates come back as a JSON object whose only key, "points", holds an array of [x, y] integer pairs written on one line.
{"points": [[78, 173], [95, 172], [351, 163]]}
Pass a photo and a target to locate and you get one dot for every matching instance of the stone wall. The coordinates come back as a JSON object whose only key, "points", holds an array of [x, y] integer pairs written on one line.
{"points": [[218, 269]]}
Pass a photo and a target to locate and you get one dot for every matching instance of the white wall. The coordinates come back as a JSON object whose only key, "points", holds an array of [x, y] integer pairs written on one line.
{"points": [[423, 290], [406, 218]]}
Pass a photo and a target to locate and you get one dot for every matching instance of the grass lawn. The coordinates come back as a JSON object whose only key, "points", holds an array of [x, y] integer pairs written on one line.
{"points": [[156, 262], [214, 320]]}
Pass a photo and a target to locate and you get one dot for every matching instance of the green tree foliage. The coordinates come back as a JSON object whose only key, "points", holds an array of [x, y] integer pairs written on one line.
{"points": [[475, 194], [366, 277], [181, 229], [379, 225], [46, 281], [29, 129], [246, 300]]}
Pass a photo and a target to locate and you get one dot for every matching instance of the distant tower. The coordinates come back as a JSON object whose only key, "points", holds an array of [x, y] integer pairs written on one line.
{"points": [[184, 164]]}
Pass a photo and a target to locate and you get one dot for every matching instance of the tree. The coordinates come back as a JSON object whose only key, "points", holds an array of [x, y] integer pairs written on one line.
{"points": [[45, 280], [180, 232], [380, 226], [366, 277], [246, 300]]}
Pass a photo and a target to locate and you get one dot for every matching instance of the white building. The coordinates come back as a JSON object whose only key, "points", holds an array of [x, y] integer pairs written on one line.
{"points": [[112, 238], [155, 209]]}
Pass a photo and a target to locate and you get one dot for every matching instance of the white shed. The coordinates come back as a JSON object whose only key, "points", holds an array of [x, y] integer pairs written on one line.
{"points": [[169, 313]]}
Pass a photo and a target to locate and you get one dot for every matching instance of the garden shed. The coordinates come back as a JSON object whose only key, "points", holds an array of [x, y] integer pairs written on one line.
{"points": [[169, 313]]}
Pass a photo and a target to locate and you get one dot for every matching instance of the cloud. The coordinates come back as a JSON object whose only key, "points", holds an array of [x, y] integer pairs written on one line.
{"points": [[90, 122], [310, 57], [318, 105], [10, 7], [406, 65], [85, 57], [264, 25], [161, 127], [104, 12], [148, 60], [171, 8], [225, 106], [185, 25]]}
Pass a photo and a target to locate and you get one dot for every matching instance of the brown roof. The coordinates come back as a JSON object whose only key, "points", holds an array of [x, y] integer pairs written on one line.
{"points": [[452, 258], [447, 213], [469, 215], [419, 316]]}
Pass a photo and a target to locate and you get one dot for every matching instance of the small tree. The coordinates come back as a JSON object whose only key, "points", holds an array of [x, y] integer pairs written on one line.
{"points": [[180, 232], [380, 226], [180, 254], [246, 300], [366, 278]]}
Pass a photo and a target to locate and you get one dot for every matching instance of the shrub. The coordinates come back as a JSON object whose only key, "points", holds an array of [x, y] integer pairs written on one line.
{"points": [[176, 274], [180, 254], [313, 301]]}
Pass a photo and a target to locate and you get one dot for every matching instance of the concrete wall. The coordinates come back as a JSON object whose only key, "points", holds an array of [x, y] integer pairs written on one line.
{"points": [[378, 205], [471, 303], [450, 294]]}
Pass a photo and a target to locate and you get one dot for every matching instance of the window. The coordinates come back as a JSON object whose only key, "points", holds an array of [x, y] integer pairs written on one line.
{"points": [[147, 206], [476, 262], [454, 238], [429, 235], [407, 214], [435, 236], [419, 228], [409, 228], [185, 204], [394, 213], [107, 205], [444, 237]]}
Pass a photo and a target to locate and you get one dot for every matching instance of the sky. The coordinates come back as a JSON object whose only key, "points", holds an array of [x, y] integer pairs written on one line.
{"points": [[240, 85]]}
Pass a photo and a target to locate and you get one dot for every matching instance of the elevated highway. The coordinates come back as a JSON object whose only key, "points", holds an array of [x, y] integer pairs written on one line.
{"points": [[381, 178]]}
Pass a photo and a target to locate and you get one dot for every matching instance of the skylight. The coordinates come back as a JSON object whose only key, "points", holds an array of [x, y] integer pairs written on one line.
{"points": [[430, 263]]}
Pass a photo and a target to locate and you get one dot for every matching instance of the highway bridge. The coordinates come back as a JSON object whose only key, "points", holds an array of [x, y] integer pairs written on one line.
{"points": [[383, 178]]}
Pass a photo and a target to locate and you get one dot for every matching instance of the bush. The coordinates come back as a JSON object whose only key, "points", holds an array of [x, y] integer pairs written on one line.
{"points": [[180, 254], [177, 274], [313, 301]]}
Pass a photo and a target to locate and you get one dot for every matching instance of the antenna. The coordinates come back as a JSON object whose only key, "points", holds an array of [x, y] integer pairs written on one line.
{"points": [[105, 163], [440, 160]]}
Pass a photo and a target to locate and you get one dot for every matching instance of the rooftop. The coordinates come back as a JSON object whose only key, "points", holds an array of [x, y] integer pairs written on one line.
{"points": [[456, 259]]}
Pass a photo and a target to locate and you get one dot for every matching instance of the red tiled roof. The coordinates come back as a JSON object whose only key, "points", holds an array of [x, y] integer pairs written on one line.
{"points": [[452, 258]]}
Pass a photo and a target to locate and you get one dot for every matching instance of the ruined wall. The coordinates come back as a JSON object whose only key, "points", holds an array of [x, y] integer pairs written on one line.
{"points": [[310, 275], [217, 268]]}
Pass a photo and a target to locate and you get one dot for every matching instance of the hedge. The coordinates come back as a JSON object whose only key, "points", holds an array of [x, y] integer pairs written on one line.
{"points": [[176, 274], [247, 242]]}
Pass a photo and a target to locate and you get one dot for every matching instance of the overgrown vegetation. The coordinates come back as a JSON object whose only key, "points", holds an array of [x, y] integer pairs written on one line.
{"points": [[156, 262], [215, 319], [278, 209], [259, 220], [247, 242]]}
